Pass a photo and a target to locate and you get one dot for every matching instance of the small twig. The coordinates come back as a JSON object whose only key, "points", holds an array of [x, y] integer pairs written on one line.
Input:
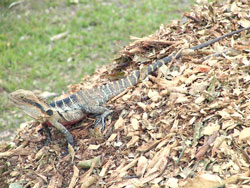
{"points": [[192, 18], [59, 36], [206, 145]]}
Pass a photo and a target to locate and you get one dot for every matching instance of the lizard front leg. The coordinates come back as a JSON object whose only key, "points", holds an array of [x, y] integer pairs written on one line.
{"points": [[67, 134], [47, 134]]}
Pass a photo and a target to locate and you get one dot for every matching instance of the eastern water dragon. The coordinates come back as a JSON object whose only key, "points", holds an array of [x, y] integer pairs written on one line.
{"points": [[72, 109]]}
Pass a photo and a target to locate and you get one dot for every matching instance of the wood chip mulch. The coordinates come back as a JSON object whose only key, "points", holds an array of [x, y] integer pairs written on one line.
{"points": [[187, 125]]}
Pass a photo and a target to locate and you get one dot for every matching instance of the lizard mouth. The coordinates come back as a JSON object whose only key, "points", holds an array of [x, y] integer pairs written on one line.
{"points": [[32, 112], [29, 110]]}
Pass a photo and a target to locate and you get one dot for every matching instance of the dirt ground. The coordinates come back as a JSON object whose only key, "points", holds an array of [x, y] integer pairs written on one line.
{"points": [[187, 125]]}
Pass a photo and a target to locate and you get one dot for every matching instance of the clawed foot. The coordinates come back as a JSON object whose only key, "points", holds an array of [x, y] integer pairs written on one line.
{"points": [[65, 152], [70, 141], [101, 119], [47, 141]]}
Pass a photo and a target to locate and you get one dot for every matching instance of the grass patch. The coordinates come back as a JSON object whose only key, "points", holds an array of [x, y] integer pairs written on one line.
{"points": [[96, 32]]}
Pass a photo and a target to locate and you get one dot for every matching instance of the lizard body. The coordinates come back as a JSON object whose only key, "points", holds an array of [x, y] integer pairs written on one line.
{"points": [[73, 108]]}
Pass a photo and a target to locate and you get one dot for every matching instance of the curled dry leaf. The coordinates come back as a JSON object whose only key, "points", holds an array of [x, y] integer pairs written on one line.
{"points": [[87, 163], [93, 147], [71, 152]]}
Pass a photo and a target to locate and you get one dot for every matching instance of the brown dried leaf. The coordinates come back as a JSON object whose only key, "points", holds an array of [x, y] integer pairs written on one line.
{"points": [[154, 95], [135, 124], [71, 152], [204, 181], [141, 166], [133, 141], [75, 177], [105, 168], [244, 134], [17, 151], [93, 147], [120, 123], [56, 181], [202, 68], [148, 146]]}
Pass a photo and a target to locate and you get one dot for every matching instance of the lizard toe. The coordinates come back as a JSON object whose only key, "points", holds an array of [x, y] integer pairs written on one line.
{"points": [[101, 119]]}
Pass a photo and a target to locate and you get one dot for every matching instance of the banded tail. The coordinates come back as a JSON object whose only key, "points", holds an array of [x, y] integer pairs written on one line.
{"points": [[101, 94]]}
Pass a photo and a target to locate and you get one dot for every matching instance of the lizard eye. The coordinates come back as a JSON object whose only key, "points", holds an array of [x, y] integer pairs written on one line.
{"points": [[49, 112]]}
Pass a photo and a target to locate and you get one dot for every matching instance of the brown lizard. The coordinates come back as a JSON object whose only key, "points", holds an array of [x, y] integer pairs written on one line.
{"points": [[72, 109]]}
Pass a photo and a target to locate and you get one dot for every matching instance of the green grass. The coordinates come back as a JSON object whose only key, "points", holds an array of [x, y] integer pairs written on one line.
{"points": [[97, 30]]}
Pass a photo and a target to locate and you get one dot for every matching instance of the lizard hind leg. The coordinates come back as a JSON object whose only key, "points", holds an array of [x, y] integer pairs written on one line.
{"points": [[103, 114]]}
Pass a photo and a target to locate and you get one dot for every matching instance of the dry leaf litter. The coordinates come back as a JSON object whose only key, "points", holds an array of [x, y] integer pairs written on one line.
{"points": [[187, 125]]}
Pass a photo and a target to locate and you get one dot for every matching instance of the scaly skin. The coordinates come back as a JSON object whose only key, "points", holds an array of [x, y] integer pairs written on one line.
{"points": [[72, 109]]}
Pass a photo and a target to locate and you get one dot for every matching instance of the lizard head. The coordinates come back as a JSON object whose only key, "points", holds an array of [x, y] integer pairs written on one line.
{"points": [[31, 104]]}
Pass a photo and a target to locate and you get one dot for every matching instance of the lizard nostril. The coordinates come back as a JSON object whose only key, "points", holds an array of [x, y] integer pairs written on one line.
{"points": [[49, 112]]}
